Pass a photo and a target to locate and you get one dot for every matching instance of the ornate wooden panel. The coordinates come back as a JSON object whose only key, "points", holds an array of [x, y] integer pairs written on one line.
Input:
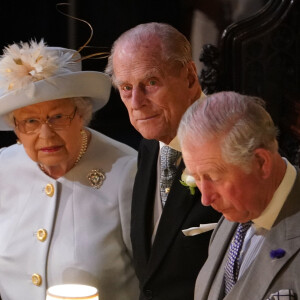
{"points": [[261, 56]]}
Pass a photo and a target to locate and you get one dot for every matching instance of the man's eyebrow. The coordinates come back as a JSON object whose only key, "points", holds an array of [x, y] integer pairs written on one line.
{"points": [[118, 82], [153, 72]]}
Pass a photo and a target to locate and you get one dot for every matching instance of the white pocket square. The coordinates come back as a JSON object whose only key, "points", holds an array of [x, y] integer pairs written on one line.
{"points": [[282, 295], [198, 230]]}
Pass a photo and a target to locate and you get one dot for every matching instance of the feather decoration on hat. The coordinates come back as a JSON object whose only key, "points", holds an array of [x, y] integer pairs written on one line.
{"points": [[23, 64]]}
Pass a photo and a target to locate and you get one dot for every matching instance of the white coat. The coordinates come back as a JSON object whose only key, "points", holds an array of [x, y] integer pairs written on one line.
{"points": [[79, 234]]}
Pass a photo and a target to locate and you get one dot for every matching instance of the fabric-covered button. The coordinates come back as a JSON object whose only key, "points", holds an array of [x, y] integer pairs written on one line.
{"points": [[36, 279], [49, 190], [41, 235]]}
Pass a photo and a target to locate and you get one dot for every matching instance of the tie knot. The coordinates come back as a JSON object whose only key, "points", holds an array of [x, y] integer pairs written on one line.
{"points": [[169, 156], [168, 168], [243, 228]]}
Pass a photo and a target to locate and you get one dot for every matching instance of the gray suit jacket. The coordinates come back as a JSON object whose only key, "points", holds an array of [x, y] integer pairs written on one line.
{"points": [[266, 275]]}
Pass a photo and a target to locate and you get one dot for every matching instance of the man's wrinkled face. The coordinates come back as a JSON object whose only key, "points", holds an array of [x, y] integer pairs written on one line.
{"points": [[226, 187], [155, 97]]}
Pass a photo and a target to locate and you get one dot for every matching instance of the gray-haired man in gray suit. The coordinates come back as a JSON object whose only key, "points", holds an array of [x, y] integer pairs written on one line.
{"points": [[229, 145]]}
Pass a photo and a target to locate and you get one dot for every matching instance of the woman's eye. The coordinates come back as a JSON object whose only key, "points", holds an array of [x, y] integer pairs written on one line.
{"points": [[31, 121], [55, 117]]}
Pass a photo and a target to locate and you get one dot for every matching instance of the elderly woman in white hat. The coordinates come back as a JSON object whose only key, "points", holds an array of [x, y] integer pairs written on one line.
{"points": [[65, 190]]}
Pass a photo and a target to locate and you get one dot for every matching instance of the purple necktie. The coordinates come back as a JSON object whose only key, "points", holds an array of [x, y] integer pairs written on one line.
{"points": [[232, 266]]}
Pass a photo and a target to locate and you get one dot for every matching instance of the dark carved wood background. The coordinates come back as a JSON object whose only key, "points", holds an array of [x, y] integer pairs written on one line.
{"points": [[260, 56]]}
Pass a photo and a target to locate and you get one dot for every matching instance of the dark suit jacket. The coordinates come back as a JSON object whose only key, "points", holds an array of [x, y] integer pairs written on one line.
{"points": [[168, 269]]}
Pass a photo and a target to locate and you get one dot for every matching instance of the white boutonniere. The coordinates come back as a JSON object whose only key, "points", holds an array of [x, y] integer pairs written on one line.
{"points": [[188, 181]]}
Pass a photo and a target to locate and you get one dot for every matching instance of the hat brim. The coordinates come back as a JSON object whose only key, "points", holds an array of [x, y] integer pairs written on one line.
{"points": [[91, 84]]}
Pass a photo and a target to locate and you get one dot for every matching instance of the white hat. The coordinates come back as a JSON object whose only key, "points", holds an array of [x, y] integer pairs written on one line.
{"points": [[31, 73]]}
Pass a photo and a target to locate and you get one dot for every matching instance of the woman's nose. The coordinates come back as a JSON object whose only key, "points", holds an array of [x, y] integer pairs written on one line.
{"points": [[46, 131]]}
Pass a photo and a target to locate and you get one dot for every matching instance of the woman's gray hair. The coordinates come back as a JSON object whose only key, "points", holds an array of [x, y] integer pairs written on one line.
{"points": [[84, 109], [176, 49], [240, 122]]}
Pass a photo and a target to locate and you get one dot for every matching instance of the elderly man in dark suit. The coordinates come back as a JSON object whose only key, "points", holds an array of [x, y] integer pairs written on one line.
{"points": [[229, 145], [152, 68]]}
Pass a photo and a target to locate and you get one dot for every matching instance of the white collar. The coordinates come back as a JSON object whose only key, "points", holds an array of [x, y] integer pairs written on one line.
{"points": [[271, 212]]}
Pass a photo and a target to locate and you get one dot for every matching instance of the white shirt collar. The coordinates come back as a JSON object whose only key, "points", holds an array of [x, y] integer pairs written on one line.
{"points": [[271, 212]]}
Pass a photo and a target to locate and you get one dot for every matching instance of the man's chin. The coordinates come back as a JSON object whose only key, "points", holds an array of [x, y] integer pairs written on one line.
{"points": [[238, 219], [147, 132], [149, 136]]}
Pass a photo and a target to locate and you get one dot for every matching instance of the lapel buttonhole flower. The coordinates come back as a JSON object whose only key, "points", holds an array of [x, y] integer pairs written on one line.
{"points": [[278, 253], [188, 181]]}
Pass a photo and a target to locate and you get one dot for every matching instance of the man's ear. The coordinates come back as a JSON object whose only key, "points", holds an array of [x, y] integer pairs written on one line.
{"points": [[192, 74], [263, 161]]}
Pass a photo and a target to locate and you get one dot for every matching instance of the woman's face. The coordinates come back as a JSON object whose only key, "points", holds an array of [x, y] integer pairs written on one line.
{"points": [[48, 146]]}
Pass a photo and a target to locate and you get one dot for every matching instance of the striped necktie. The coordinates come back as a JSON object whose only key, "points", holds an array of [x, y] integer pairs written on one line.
{"points": [[168, 168], [232, 265]]}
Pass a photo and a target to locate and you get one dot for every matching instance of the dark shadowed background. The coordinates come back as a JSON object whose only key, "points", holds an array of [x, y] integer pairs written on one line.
{"points": [[36, 19]]}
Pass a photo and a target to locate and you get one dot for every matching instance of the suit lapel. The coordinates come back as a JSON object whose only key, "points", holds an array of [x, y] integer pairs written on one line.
{"points": [[179, 200], [211, 273], [142, 203], [264, 269]]}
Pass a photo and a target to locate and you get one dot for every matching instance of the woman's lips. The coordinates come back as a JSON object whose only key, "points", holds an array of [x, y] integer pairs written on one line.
{"points": [[51, 149]]}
